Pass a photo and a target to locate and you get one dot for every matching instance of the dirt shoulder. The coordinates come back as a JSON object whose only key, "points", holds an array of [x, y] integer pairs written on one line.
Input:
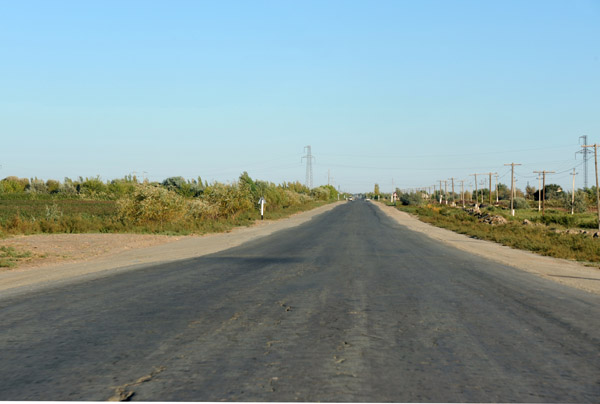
{"points": [[53, 249], [61, 257], [562, 271]]}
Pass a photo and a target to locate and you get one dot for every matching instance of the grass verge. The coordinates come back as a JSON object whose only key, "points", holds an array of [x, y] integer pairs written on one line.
{"points": [[539, 238]]}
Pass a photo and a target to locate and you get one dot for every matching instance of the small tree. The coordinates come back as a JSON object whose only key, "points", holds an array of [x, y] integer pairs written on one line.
{"points": [[503, 191]]}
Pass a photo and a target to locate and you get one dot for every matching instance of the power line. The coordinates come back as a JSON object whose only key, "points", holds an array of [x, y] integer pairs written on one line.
{"points": [[396, 156]]}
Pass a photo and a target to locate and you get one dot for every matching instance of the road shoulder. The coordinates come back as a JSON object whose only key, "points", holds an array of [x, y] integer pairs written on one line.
{"points": [[566, 272]]}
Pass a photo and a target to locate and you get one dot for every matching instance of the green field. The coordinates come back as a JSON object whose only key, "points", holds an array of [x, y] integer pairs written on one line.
{"points": [[23, 216], [39, 209]]}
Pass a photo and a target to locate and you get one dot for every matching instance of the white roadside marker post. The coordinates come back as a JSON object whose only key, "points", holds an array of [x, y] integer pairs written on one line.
{"points": [[262, 202]]}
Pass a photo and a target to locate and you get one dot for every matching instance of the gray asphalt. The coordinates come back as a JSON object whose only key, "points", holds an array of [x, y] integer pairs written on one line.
{"points": [[347, 307]]}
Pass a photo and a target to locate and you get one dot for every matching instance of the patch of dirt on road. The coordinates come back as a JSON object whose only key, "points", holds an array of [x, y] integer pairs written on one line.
{"points": [[48, 249]]}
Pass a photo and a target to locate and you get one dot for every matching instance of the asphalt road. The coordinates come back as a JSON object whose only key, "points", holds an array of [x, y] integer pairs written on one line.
{"points": [[347, 307]]}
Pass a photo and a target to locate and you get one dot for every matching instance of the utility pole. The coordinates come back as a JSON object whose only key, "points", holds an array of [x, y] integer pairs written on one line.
{"points": [[595, 146], [453, 202], [512, 187], [539, 193], [573, 194], [462, 192], [544, 188], [309, 172], [497, 200], [476, 196], [482, 185], [446, 192], [490, 174], [490, 189], [440, 192]]}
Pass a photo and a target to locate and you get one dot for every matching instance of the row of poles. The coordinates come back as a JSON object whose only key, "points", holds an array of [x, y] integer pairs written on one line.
{"points": [[541, 189]]}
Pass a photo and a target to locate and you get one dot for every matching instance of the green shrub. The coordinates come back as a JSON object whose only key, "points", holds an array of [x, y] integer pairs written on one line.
{"points": [[14, 184], [151, 204], [520, 203], [560, 219], [37, 186], [197, 209], [320, 193], [183, 187], [120, 188], [53, 212], [581, 203], [52, 186], [411, 199], [92, 187], [68, 187]]}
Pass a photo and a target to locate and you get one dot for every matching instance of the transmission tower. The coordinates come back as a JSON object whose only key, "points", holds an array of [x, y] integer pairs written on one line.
{"points": [[585, 153], [309, 173]]}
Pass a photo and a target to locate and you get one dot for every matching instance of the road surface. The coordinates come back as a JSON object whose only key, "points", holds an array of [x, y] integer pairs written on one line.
{"points": [[347, 307]]}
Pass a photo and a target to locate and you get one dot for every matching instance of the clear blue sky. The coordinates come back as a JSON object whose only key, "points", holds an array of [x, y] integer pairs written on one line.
{"points": [[414, 91]]}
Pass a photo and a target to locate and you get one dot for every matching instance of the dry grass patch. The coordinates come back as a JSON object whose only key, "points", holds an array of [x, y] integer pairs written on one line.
{"points": [[9, 256]]}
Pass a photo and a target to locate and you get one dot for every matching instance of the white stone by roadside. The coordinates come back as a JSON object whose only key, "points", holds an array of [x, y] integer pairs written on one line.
{"points": [[563, 271], [182, 249]]}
